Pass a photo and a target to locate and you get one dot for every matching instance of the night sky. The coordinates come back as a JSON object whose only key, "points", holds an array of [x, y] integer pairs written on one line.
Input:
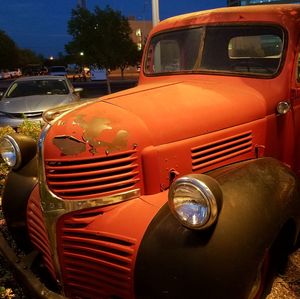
{"points": [[41, 25]]}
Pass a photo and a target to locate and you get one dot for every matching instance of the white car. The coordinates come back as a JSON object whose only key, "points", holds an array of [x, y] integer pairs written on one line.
{"points": [[57, 71]]}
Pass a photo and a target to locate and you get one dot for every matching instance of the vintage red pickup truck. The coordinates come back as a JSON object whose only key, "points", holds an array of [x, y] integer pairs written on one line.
{"points": [[186, 186]]}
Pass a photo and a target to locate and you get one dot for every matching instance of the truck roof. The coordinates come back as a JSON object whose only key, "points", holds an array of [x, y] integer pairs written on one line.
{"points": [[276, 13]]}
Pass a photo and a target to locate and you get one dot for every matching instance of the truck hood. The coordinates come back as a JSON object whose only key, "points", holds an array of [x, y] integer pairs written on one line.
{"points": [[155, 114], [180, 110]]}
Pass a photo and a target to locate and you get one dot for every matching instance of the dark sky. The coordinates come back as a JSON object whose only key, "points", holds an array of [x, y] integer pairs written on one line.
{"points": [[41, 25]]}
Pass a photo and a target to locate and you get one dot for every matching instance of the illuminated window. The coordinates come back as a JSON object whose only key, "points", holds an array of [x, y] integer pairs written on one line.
{"points": [[138, 32]]}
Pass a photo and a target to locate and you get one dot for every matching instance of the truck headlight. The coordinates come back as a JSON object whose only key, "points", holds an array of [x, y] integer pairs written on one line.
{"points": [[16, 150], [195, 200]]}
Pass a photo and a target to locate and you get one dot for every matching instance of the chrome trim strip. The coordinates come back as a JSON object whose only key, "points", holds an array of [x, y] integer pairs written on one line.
{"points": [[54, 207]]}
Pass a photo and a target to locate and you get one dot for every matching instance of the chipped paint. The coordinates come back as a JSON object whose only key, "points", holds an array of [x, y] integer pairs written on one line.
{"points": [[91, 135], [69, 145]]}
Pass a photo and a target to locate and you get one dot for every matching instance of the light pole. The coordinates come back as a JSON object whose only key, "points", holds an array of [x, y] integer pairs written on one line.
{"points": [[155, 12]]}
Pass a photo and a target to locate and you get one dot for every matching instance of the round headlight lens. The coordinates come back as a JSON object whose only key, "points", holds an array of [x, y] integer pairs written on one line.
{"points": [[9, 151], [190, 204], [193, 202]]}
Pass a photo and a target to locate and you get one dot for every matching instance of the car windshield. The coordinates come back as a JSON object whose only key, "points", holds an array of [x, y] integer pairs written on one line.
{"points": [[247, 50], [37, 87]]}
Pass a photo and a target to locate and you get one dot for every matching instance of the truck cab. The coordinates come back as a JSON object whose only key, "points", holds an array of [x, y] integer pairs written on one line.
{"points": [[188, 183]]}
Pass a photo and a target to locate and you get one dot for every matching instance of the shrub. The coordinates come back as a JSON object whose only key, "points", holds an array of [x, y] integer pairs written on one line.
{"points": [[30, 128]]}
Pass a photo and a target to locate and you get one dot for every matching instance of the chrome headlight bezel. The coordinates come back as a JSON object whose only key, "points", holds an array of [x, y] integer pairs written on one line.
{"points": [[24, 148], [14, 159], [195, 200]]}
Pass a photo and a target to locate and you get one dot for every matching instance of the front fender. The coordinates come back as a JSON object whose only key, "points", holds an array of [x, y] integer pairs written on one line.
{"points": [[18, 187], [259, 197]]}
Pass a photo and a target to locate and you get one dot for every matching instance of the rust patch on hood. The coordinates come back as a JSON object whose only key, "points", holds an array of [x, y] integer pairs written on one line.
{"points": [[92, 131], [69, 145]]}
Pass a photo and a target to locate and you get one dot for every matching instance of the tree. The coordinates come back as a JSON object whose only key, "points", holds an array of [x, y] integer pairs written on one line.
{"points": [[11, 56], [131, 56], [103, 36], [27, 56], [8, 51]]}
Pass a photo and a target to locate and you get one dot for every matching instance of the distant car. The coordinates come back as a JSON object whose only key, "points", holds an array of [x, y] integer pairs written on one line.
{"points": [[4, 74], [57, 71], [29, 97], [98, 74], [16, 72], [34, 70]]}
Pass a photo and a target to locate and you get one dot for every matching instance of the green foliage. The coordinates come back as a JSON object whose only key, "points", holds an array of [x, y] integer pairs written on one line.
{"points": [[6, 293], [8, 51], [30, 128], [11, 56], [103, 36], [6, 131], [27, 56]]}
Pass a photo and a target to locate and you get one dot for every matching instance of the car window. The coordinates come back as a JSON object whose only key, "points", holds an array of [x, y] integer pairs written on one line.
{"points": [[37, 87], [248, 50]]}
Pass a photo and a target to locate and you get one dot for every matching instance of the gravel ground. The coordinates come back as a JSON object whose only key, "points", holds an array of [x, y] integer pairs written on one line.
{"points": [[285, 286]]}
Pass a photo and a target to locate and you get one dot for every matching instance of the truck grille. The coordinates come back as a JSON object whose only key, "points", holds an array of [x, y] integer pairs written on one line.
{"points": [[92, 177], [37, 231], [95, 264], [221, 150]]}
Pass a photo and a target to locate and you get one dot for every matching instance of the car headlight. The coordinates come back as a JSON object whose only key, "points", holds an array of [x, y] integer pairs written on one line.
{"points": [[195, 200], [16, 150]]}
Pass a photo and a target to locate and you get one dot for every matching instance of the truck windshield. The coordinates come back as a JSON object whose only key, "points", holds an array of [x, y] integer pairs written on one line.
{"points": [[248, 50]]}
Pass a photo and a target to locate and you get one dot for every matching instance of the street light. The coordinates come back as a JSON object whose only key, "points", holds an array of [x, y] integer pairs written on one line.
{"points": [[155, 12]]}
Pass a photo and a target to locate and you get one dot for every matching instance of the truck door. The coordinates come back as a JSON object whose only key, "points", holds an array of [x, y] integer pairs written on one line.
{"points": [[295, 102]]}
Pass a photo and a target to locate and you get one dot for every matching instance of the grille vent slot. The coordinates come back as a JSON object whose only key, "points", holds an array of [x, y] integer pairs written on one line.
{"points": [[97, 264], [38, 233], [94, 177], [221, 150]]}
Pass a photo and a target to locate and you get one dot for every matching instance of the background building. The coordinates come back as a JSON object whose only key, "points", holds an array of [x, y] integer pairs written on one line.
{"points": [[140, 31], [253, 2]]}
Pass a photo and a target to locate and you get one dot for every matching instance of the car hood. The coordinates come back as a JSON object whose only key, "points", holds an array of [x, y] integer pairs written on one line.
{"points": [[35, 103]]}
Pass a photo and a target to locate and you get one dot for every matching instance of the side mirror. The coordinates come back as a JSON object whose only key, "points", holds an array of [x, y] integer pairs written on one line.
{"points": [[78, 90]]}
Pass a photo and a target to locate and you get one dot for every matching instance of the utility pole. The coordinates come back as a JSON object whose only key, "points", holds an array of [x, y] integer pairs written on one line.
{"points": [[155, 12]]}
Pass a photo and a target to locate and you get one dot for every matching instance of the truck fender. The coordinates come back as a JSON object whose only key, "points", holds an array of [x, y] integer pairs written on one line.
{"points": [[259, 198], [18, 187]]}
